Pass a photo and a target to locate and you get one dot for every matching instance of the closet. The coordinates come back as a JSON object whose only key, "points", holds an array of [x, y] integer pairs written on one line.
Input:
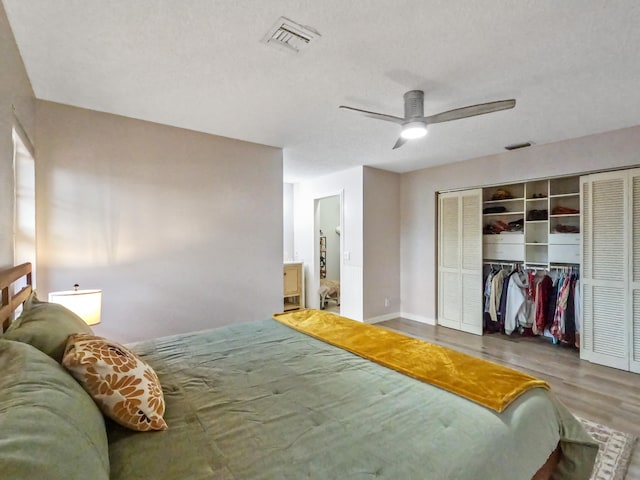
{"points": [[587, 226]]}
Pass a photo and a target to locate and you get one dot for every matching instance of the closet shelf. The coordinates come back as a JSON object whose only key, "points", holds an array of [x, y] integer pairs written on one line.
{"points": [[565, 215], [489, 202], [537, 221], [502, 213], [537, 243], [565, 195]]}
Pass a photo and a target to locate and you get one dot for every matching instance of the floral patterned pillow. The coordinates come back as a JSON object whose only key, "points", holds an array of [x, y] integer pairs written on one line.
{"points": [[126, 389]]}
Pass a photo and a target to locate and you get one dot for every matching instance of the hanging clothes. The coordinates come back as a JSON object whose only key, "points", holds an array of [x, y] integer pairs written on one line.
{"points": [[577, 306], [517, 306], [533, 302], [557, 329], [496, 292], [489, 325], [487, 290], [503, 299], [569, 335], [543, 290]]}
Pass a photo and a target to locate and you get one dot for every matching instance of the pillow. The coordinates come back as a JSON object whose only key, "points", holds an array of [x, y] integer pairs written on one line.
{"points": [[46, 326], [50, 427], [124, 386]]}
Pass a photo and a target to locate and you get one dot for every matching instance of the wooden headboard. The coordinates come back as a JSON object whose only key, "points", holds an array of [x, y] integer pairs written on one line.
{"points": [[12, 299]]}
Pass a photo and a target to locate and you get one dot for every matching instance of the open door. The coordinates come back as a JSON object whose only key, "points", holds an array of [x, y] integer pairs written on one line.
{"points": [[328, 256]]}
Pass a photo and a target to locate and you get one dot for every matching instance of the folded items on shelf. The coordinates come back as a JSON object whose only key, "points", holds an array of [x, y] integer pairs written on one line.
{"points": [[559, 210], [501, 194], [534, 215], [502, 227], [496, 209], [566, 229]]}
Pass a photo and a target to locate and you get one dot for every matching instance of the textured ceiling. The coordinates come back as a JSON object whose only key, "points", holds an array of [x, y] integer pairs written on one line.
{"points": [[572, 65]]}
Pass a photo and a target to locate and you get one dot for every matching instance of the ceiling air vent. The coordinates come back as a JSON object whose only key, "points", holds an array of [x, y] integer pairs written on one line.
{"points": [[516, 146], [290, 36]]}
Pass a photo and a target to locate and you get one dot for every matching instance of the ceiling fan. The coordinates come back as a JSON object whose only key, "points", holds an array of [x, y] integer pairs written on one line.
{"points": [[414, 124]]}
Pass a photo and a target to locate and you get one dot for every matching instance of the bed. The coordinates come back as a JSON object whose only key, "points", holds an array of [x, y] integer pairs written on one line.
{"points": [[262, 400]]}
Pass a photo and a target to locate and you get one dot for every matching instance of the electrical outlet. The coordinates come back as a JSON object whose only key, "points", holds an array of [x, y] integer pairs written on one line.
{"points": [[387, 302]]}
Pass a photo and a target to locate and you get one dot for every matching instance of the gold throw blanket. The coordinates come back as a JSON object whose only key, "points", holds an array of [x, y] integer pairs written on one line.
{"points": [[481, 381]]}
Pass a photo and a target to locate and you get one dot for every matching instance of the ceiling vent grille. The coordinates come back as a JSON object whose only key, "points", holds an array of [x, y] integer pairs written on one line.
{"points": [[516, 146], [290, 36]]}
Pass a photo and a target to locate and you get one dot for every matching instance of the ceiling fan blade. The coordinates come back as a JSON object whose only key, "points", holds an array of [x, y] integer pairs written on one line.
{"points": [[470, 111], [378, 116], [401, 141]]}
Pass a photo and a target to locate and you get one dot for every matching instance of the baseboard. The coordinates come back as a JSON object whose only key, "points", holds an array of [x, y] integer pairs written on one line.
{"points": [[418, 318], [382, 318]]}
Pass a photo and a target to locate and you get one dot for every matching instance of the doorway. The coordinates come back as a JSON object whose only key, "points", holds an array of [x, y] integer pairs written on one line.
{"points": [[328, 251]]}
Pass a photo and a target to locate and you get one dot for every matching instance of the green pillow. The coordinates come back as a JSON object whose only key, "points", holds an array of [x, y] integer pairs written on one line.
{"points": [[46, 326], [50, 428]]}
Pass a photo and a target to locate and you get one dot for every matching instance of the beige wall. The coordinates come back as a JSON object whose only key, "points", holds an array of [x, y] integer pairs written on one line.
{"points": [[381, 244], [620, 148], [181, 230], [15, 91]]}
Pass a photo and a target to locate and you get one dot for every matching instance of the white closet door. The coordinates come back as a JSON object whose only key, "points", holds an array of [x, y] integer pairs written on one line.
{"points": [[471, 265], [605, 269], [449, 260], [634, 325], [460, 261]]}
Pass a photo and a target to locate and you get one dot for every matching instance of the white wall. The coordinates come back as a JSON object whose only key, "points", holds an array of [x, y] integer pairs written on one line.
{"points": [[381, 270], [349, 183], [181, 230], [620, 148], [288, 253], [15, 91], [329, 212]]}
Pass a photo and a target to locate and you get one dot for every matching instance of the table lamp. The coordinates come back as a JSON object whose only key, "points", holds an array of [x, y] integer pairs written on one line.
{"points": [[87, 304]]}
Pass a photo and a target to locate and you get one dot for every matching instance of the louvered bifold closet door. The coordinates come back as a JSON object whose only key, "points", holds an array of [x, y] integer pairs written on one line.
{"points": [[449, 260], [634, 325], [605, 245], [471, 255], [460, 260]]}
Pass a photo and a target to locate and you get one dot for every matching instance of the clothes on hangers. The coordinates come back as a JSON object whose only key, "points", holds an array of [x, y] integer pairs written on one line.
{"points": [[532, 301], [497, 283], [518, 311], [577, 305], [542, 292]]}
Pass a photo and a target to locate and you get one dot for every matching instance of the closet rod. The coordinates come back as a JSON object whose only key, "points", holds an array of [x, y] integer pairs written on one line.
{"points": [[566, 268], [504, 264], [535, 267]]}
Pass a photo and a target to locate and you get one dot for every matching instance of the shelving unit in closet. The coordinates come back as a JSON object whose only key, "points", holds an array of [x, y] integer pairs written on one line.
{"points": [[536, 226], [564, 220], [503, 210], [536, 223]]}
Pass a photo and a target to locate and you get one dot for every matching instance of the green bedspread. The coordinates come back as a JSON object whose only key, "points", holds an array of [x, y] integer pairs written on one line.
{"points": [[260, 400]]}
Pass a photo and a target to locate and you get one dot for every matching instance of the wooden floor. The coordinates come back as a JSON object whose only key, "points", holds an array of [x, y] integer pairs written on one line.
{"points": [[601, 394]]}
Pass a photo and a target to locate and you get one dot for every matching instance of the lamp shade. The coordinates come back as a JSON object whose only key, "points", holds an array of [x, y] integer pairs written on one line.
{"points": [[87, 304]]}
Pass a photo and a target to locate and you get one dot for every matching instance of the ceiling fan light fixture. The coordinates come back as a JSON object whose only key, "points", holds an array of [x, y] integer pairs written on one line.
{"points": [[413, 130]]}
